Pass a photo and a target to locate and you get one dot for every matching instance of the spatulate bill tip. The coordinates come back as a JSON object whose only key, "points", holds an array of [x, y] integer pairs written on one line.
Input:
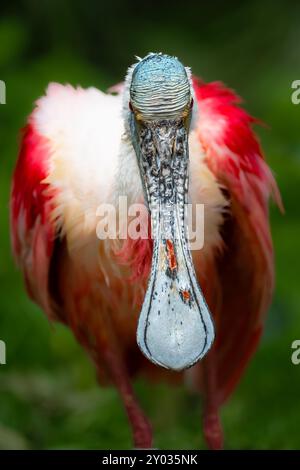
{"points": [[165, 354]]}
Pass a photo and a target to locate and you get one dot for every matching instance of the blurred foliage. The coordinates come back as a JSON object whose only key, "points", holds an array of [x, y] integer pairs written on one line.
{"points": [[49, 396]]}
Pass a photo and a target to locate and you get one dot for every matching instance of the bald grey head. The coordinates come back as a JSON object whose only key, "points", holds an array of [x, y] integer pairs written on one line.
{"points": [[160, 87], [175, 329]]}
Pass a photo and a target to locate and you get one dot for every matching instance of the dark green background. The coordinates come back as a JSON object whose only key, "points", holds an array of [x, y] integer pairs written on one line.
{"points": [[48, 394]]}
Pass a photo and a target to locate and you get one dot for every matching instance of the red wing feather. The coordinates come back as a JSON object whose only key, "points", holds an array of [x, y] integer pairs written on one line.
{"points": [[245, 268], [31, 230]]}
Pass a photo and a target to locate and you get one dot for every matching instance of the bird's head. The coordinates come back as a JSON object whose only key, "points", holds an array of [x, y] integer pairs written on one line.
{"points": [[160, 104], [160, 89], [174, 329]]}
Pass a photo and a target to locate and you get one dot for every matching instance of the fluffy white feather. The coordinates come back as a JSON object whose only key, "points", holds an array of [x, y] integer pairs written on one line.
{"points": [[93, 161]]}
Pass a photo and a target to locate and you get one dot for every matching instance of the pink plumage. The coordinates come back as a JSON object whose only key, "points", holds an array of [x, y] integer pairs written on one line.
{"points": [[97, 288], [234, 155], [32, 232]]}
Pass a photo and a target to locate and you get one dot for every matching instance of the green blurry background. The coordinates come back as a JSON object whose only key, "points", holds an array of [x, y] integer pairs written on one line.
{"points": [[48, 394]]}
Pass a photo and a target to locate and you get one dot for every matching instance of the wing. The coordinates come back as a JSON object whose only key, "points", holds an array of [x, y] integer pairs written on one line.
{"points": [[32, 232], [245, 267], [56, 190]]}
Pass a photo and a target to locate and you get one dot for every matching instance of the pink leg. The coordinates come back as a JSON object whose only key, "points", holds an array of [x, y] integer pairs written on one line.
{"points": [[141, 428], [212, 427]]}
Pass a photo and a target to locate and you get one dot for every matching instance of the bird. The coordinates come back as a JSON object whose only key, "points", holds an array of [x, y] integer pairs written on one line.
{"points": [[148, 304]]}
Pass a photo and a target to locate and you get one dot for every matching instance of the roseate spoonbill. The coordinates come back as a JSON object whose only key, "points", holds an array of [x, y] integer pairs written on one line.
{"points": [[82, 148]]}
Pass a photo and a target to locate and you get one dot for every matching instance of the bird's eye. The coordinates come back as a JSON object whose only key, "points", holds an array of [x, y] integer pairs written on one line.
{"points": [[192, 103], [130, 106]]}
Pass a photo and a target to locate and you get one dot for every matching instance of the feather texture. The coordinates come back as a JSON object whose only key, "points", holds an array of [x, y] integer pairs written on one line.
{"points": [[76, 154], [32, 231], [245, 269]]}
